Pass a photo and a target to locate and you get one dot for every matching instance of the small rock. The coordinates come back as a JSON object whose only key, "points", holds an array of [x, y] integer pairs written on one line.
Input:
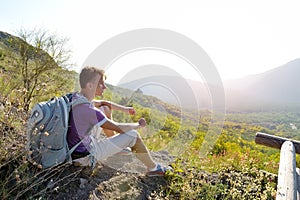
{"points": [[82, 183], [50, 184]]}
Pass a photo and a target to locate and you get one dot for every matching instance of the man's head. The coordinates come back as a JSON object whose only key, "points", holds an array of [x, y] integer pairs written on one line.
{"points": [[92, 81], [89, 74]]}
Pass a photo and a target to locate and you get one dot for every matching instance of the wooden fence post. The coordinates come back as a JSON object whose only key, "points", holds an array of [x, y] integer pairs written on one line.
{"points": [[287, 174]]}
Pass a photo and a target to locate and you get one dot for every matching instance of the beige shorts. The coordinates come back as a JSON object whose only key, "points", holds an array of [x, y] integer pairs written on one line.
{"points": [[102, 147]]}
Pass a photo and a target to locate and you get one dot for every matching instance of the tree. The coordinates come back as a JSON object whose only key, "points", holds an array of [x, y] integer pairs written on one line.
{"points": [[38, 61]]}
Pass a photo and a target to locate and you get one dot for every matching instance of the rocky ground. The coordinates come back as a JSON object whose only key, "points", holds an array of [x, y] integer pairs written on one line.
{"points": [[123, 177], [120, 177]]}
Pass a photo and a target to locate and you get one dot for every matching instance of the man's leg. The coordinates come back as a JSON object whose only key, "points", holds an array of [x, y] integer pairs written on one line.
{"points": [[109, 133], [143, 154], [110, 146]]}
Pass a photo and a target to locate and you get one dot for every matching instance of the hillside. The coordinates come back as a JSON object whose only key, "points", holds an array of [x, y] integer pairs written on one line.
{"points": [[233, 169], [278, 87], [29, 73], [173, 89], [274, 89]]}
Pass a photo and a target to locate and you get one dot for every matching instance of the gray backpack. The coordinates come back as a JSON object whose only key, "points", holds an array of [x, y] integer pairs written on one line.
{"points": [[47, 131]]}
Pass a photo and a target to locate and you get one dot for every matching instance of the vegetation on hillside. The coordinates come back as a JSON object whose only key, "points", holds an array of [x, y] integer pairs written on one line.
{"points": [[236, 168], [32, 67]]}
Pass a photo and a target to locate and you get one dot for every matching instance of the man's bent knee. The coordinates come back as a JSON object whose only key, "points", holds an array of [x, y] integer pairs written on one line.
{"points": [[133, 133], [107, 111]]}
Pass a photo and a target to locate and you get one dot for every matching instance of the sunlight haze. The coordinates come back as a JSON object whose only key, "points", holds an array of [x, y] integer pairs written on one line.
{"points": [[240, 38]]}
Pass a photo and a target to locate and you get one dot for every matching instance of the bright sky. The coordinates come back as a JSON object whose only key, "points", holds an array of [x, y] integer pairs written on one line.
{"points": [[240, 37]]}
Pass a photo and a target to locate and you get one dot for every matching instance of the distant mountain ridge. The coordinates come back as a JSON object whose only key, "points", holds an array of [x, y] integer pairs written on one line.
{"points": [[172, 89], [279, 87], [281, 83]]}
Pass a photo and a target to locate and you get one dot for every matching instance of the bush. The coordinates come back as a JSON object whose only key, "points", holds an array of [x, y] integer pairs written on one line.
{"points": [[189, 182]]}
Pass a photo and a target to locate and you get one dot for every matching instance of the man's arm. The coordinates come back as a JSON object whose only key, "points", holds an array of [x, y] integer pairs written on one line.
{"points": [[123, 127], [114, 106]]}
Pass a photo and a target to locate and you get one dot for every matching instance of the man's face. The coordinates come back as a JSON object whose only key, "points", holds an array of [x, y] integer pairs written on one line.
{"points": [[100, 86]]}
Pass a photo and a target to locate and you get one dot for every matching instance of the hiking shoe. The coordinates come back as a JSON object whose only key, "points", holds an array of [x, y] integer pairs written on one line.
{"points": [[160, 171]]}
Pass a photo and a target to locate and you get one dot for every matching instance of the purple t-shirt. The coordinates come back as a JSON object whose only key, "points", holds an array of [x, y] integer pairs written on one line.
{"points": [[81, 119]]}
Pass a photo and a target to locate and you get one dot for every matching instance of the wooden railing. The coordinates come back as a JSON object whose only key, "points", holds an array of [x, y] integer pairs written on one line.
{"points": [[288, 174]]}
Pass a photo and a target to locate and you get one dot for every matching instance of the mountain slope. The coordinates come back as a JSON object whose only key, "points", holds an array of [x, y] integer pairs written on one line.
{"points": [[173, 89], [33, 75], [279, 87], [276, 88]]}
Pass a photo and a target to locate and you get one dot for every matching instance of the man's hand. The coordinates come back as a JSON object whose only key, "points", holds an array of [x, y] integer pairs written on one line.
{"points": [[130, 110], [142, 122]]}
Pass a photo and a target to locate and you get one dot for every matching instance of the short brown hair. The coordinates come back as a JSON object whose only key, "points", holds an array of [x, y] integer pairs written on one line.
{"points": [[88, 74]]}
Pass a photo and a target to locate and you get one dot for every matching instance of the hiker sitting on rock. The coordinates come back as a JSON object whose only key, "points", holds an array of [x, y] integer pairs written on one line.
{"points": [[87, 118]]}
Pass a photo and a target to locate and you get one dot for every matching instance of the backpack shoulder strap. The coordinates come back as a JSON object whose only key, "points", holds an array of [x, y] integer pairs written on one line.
{"points": [[72, 104], [78, 101]]}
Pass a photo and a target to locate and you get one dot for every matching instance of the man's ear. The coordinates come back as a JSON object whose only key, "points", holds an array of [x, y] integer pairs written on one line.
{"points": [[89, 85]]}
